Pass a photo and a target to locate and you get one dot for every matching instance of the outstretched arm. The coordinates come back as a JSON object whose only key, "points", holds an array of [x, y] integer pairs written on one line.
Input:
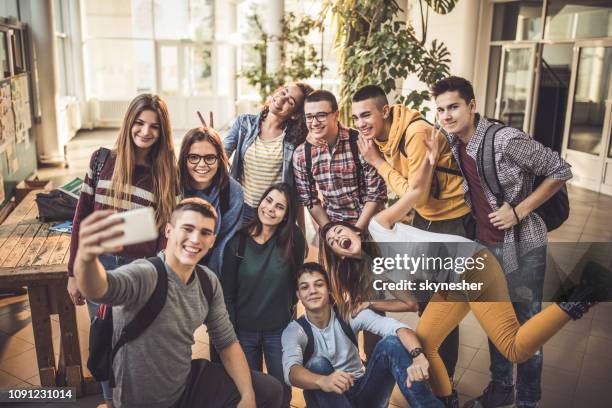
{"points": [[91, 278], [389, 216]]}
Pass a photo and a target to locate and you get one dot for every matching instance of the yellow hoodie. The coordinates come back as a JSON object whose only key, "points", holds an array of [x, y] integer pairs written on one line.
{"points": [[398, 168]]}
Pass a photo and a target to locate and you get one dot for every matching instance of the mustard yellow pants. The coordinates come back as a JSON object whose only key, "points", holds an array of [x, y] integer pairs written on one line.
{"points": [[494, 312]]}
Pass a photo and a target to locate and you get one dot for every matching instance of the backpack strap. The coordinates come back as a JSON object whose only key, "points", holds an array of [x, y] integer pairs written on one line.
{"points": [[309, 350], [99, 160], [149, 311], [224, 197], [486, 163], [308, 162], [353, 136], [346, 328], [402, 143], [448, 170], [206, 284], [242, 238]]}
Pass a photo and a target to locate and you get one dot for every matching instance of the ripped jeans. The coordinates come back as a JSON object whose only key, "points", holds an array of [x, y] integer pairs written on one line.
{"points": [[525, 287]]}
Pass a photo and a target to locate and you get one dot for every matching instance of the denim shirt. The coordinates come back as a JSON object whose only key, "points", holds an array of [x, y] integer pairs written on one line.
{"points": [[242, 135]]}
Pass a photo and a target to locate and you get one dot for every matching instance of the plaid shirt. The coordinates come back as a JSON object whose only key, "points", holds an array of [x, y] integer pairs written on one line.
{"points": [[519, 160], [335, 174]]}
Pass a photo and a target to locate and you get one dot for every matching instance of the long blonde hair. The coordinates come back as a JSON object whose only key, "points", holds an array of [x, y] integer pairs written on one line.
{"points": [[161, 157]]}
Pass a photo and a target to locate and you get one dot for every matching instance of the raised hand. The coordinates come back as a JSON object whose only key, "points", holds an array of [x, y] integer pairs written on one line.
{"points": [[369, 151], [432, 142], [94, 231]]}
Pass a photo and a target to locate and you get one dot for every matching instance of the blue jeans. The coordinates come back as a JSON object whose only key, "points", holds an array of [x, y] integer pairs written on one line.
{"points": [[109, 262], [386, 367], [525, 287], [260, 343]]}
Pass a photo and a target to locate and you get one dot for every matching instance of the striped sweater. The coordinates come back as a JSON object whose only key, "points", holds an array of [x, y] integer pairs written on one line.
{"points": [[142, 196]]}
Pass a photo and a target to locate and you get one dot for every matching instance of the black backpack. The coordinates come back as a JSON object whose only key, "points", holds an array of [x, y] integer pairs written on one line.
{"points": [[436, 184], [353, 135], [554, 211], [309, 350], [101, 349], [59, 206]]}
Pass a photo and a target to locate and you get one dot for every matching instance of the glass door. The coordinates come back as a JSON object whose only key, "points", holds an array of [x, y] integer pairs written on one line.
{"points": [[587, 129], [514, 100]]}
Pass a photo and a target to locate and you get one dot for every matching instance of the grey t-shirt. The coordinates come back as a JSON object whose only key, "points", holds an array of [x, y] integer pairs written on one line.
{"points": [[151, 370]]}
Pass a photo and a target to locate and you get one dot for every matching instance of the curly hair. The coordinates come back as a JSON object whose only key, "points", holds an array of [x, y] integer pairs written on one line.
{"points": [[295, 126]]}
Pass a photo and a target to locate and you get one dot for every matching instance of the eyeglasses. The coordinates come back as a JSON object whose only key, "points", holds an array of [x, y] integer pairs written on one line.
{"points": [[209, 159], [319, 116]]}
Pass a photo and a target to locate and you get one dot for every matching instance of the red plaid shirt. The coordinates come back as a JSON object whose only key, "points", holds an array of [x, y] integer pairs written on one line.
{"points": [[335, 173]]}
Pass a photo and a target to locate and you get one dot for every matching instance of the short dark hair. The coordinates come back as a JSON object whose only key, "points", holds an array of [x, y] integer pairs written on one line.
{"points": [[196, 204], [322, 95], [371, 92], [312, 267], [454, 83]]}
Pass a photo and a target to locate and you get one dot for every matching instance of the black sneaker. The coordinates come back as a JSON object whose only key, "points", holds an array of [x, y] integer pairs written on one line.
{"points": [[595, 286], [496, 395]]}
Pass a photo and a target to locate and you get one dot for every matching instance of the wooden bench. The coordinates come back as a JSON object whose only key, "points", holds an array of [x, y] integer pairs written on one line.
{"points": [[33, 256]]}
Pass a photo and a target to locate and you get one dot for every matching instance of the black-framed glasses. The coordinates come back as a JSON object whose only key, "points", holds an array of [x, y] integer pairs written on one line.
{"points": [[319, 116], [209, 159]]}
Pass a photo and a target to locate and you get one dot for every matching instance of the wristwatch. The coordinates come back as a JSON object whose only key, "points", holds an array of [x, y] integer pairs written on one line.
{"points": [[415, 352]]}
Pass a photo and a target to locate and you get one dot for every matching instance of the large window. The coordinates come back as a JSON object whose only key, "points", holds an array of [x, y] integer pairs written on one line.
{"points": [[248, 33], [61, 20], [570, 19], [517, 20], [136, 46]]}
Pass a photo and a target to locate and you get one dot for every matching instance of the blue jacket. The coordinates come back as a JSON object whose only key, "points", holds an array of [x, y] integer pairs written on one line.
{"points": [[241, 136], [227, 223]]}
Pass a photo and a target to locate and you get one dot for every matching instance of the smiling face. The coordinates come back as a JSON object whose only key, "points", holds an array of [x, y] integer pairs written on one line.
{"points": [[369, 119], [343, 241], [190, 235], [146, 130], [284, 102], [455, 114], [321, 120], [206, 160], [312, 291], [272, 209]]}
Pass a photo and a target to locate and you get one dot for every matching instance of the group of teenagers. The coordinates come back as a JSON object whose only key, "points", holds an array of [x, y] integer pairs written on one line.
{"points": [[238, 230]]}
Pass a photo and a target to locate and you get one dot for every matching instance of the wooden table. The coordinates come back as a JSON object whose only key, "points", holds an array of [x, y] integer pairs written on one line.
{"points": [[32, 256]]}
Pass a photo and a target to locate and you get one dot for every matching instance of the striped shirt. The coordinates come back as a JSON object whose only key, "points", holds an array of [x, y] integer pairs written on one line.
{"points": [[262, 167], [141, 196]]}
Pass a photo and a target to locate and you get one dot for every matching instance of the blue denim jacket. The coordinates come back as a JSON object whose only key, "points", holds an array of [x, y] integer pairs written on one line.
{"points": [[241, 136]]}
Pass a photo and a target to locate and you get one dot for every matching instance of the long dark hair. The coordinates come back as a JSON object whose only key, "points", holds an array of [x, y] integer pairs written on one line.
{"points": [[200, 134], [349, 278], [286, 230], [295, 128]]}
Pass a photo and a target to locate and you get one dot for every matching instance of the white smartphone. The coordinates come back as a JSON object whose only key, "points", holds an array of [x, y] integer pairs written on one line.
{"points": [[138, 226]]}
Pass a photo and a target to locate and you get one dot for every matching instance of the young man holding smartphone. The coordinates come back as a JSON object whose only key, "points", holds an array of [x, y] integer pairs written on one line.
{"points": [[156, 369]]}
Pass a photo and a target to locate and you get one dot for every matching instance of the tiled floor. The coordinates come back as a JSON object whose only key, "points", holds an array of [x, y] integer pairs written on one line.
{"points": [[577, 361]]}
